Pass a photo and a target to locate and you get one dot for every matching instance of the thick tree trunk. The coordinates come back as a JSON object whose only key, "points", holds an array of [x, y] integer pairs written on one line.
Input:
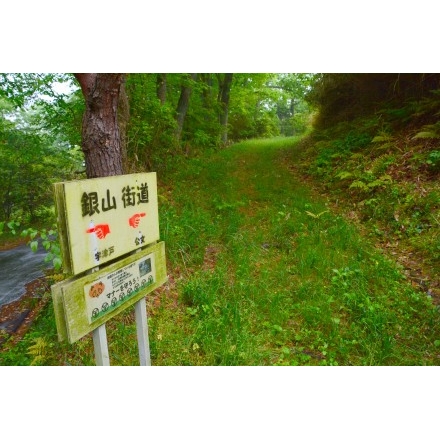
{"points": [[101, 142], [223, 97], [123, 119], [161, 87], [183, 104]]}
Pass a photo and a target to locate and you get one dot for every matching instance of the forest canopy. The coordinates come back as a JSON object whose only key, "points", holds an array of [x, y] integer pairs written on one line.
{"points": [[163, 115], [160, 115]]}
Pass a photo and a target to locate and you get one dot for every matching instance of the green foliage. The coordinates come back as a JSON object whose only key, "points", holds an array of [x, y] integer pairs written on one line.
{"points": [[389, 182], [429, 132], [38, 351], [347, 96], [254, 111], [150, 131], [434, 159], [33, 152], [11, 226], [262, 272], [49, 241]]}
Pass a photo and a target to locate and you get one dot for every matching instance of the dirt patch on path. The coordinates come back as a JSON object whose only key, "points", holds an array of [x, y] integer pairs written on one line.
{"points": [[12, 243]]}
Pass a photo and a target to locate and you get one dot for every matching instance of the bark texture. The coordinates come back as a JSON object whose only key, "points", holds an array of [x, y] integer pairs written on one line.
{"points": [[101, 141], [123, 119], [183, 104], [223, 97], [161, 87]]}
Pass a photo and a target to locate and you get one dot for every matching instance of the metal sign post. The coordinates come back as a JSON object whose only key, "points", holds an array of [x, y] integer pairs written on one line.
{"points": [[142, 332], [102, 357]]}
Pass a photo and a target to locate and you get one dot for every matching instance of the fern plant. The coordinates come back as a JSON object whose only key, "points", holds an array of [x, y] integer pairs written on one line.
{"points": [[429, 132], [38, 350], [381, 163], [383, 141], [381, 182]]}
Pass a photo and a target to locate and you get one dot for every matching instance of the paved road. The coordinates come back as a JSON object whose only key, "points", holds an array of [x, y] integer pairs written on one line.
{"points": [[18, 267]]}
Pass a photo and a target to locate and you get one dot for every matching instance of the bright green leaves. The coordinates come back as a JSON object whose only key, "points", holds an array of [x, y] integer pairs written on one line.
{"points": [[49, 241]]}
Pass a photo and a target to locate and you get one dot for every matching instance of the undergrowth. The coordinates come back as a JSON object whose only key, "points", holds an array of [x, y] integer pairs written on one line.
{"points": [[262, 271], [385, 177]]}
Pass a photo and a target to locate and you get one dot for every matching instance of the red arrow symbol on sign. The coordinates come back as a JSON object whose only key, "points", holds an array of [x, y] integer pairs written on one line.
{"points": [[100, 230], [134, 220]]}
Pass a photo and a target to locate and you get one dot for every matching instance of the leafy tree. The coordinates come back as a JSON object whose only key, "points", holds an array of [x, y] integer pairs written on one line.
{"points": [[144, 118], [252, 111], [33, 152], [292, 107], [29, 164], [152, 123]]}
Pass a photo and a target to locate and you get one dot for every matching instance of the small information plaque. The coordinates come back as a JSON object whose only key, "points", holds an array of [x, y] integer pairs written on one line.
{"points": [[110, 291], [81, 304]]}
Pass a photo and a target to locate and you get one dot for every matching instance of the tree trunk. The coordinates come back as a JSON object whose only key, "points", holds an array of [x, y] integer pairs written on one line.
{"points": [[123, 119], [206, 79], [161, 87], [101, 142], [183, 104], [223, 97]]}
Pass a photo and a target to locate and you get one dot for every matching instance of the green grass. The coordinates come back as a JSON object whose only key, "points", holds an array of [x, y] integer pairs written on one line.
{"points": [[262, 272]]}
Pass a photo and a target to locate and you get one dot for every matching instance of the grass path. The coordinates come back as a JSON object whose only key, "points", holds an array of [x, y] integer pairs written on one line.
{"points": [[261, 273], [264, 274]]}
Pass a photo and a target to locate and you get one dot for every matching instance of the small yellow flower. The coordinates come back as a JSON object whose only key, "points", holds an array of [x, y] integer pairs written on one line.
{"points": [[195, 346]]}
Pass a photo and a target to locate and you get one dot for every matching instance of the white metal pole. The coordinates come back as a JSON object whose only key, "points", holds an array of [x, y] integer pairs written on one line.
{"points": [[102, 357], [142, 332]]}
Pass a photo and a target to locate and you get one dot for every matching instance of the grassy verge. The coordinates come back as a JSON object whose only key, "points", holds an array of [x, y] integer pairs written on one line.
{"points": [[262, 272]]}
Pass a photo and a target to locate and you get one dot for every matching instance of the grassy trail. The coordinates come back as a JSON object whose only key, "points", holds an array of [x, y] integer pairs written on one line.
{"points": [[261, 273], [264, 274]]}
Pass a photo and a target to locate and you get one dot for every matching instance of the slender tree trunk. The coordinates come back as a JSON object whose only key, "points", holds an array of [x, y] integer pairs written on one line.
{"points": [[161, 87], [183, 104], [206, 89], [223, 97], [101, 141], [292, 107]]}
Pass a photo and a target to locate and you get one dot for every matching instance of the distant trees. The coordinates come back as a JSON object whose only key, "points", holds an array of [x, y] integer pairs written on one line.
{"points": [[33, 150], [66, 126], [175, 113], [292, 108]]}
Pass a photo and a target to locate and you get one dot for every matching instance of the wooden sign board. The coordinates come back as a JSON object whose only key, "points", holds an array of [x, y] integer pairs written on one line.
{"points": [[81, 304], [105, 218]]}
